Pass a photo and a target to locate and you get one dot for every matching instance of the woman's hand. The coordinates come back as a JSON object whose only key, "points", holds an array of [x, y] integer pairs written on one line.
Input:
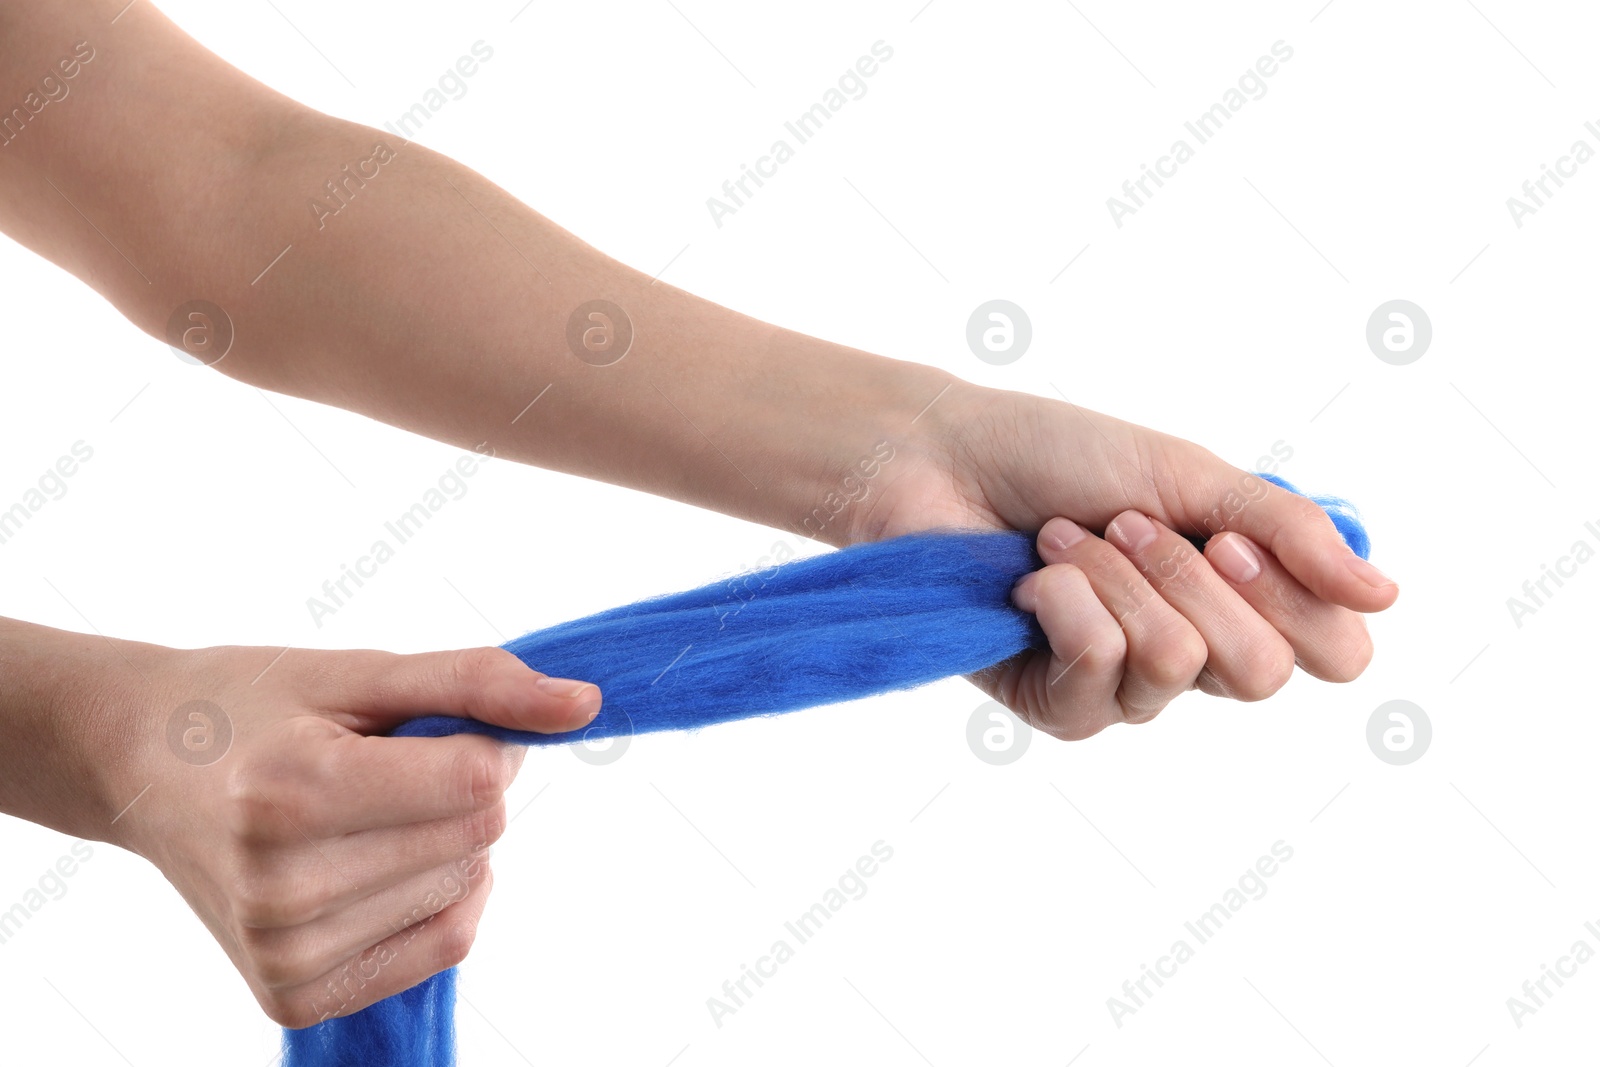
{"points": [[1134, 613], [334, 867]]}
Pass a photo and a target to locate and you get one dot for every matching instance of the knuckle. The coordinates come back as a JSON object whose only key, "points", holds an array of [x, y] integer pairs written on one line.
{"points": [[311, 752], [1172, 659], [455, 941], [274, 795], [497, 821], [1137, 716], [276, 963], [1350, 668], [1075, 728], [470, 668], [1308, 511], [483, 828], [1058, 580], [269, 899], [250, 815], [1045, 714], [1061, 716], [1268, 669], [254, 909], [1104, 654], [455, 885], [480, 776], [287, 1012], [1104, 648], [241, 810]]}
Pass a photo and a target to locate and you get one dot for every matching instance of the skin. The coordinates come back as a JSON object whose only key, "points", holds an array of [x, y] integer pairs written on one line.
{"points": [[315, 851]]}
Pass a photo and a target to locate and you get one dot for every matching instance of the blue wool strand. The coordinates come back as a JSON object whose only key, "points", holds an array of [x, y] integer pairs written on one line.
{"points": [[864, 620], [833, 627]]}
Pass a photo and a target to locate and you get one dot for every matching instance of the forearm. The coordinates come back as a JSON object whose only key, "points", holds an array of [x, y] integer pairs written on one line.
{"points": [[452, 320], [425, 296], [67, 722]]}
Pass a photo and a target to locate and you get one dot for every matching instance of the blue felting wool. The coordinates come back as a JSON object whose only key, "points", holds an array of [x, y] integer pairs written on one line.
{"points": [[838, 626], [864, 620]]}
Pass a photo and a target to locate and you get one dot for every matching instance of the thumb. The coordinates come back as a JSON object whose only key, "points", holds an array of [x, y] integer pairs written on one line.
{"points": [[380, 690], [1294, 528]]}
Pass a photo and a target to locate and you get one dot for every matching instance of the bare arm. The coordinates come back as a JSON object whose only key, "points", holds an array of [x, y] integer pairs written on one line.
{"points": [[418, 292]]}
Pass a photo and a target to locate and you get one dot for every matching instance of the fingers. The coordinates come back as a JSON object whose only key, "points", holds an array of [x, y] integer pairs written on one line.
{"points": [[1233, 622], [1164, 652], [295, 955], [1246, 657], [1289, 526], [396, 963], [303, 882], [1330, 642], [378, 690], [320, 787], [1071, 693]]}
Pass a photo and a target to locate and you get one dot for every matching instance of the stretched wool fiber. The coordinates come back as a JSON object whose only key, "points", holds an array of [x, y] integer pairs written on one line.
{"points": [[864, 620]]}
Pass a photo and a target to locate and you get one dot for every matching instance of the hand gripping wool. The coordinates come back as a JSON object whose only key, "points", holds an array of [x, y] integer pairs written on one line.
{"points": [[864, 620]]}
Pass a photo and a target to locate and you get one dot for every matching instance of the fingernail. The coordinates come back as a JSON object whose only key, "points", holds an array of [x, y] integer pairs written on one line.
{"points": [[1061, 533], [584, 696], [1024, 595], [1236, 559], [565, 688], [1367, 572], [1134, 530]]}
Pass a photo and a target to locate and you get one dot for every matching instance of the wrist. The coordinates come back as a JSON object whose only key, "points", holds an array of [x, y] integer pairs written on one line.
{"points": [[72, 736], [860, 424]]}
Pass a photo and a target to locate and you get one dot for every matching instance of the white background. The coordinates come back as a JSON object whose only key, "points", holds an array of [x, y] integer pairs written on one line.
{"points": [[1230, 310]]}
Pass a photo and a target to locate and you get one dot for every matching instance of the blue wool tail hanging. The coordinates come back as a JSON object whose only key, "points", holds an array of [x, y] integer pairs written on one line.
{"points": [[865, 620]]}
